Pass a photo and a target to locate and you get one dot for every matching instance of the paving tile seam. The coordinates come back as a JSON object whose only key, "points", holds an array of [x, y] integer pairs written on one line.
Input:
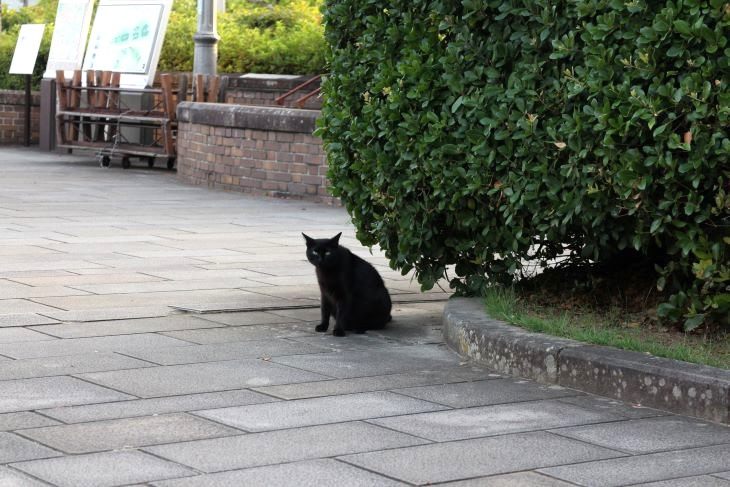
{"points": [[11, 467], [503, 434], [638, 455], [556, 431], [88, 381], [19, 434], [547, 475], [32, 300], [518, 401], [366, 469]]}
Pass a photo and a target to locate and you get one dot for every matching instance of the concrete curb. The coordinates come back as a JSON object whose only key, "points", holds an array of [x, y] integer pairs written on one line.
{"points": [[670, 385]]}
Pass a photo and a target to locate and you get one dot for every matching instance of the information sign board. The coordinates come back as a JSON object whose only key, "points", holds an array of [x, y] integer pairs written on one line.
{"points": [[71, 28], [127, 37], [26, 49]]}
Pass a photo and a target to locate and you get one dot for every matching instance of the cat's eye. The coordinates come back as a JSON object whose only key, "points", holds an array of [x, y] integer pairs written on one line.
{"points": [[327, 252]]}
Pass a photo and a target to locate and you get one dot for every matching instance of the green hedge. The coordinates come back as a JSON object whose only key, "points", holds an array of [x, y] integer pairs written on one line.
{"points": [[489, 135], [278, 37]]}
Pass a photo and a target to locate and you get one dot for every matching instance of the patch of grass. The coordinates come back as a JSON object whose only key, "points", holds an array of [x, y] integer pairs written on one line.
{"points": [[613, 328]]}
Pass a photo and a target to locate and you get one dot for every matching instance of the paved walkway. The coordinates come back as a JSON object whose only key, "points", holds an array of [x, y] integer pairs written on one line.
{"points": [[104, 380]]}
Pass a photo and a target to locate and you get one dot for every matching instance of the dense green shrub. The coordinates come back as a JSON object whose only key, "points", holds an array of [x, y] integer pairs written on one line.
{"points": [[488, 134], [278, 37]]}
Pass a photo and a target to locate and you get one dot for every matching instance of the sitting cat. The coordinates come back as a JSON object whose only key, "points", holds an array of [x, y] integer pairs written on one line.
{"points": [[351, 288]]}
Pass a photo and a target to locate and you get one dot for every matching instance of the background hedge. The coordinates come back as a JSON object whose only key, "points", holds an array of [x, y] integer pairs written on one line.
{"points": [[493, 134], [284, 36]]}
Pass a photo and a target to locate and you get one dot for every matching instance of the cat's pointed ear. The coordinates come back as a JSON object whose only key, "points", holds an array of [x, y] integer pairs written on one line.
{"points": [[309, 239], [336, 239]]}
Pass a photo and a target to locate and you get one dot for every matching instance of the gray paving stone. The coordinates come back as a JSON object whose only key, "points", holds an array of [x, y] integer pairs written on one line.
{"points": [[74, 346], [128, 432], [23, 419], [163, 286], [312, 473], [246, 318], [161, 405], [13, 448], [67, 364], [24, 319], [169, 298], [700, 481], [477, 457], [723, 475], [30, 292], [86, 315], [125, 327], [645, 468], [321, 410], [375, 383], [306, 314], [614, 406], [23, 306], [522, 479], [48, 392], [651, 435], [354, 341], [376, 362], [196, 378], [75, 280], [103, 469], [272, 347], [492, 420], [10, 478], [241, 333], [274, 447], [13, 335], [483, 393]]}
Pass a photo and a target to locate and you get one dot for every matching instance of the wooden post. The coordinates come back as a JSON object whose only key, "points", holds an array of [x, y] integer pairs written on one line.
{"points": [[75, 102], [28, 100]]}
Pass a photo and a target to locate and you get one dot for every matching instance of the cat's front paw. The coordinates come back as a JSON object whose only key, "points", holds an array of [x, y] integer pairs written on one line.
{"points": [[338, 333], [321, 328]]}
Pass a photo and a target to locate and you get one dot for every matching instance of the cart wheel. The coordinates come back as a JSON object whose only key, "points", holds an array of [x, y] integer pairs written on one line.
{"points": [[170, 162], [125, 162], [106, 161], [150, 162]]}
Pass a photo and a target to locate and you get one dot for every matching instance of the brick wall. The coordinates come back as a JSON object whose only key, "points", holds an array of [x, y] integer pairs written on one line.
{"points": [[12, 117], [261, 150]]}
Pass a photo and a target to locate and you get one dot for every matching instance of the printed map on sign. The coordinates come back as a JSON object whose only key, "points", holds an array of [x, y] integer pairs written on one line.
{"points": [[123, 37]]}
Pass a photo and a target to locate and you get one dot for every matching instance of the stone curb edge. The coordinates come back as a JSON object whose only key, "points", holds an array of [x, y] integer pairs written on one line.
{"points": [[638, 378]]}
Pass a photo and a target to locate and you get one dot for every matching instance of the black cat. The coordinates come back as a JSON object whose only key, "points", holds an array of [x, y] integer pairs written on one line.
{"points": [[351, 288]]}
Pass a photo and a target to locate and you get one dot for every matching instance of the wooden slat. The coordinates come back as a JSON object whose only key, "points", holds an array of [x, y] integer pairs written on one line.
{"points": [[114, 82], [113, 101], [75, 102], [199, 88], [61, 91], [182, 89], [213, 86]]}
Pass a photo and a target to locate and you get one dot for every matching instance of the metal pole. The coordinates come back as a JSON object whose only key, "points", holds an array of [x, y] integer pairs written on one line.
{"points": [[205, 58], [27, 109]]}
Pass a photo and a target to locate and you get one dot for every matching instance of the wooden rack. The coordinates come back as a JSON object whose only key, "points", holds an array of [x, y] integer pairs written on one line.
{"points": [[96, 117]]}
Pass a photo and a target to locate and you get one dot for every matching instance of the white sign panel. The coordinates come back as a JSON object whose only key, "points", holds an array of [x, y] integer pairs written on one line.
{"points": [[73, 19], [26, 49], [127, 37]]}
